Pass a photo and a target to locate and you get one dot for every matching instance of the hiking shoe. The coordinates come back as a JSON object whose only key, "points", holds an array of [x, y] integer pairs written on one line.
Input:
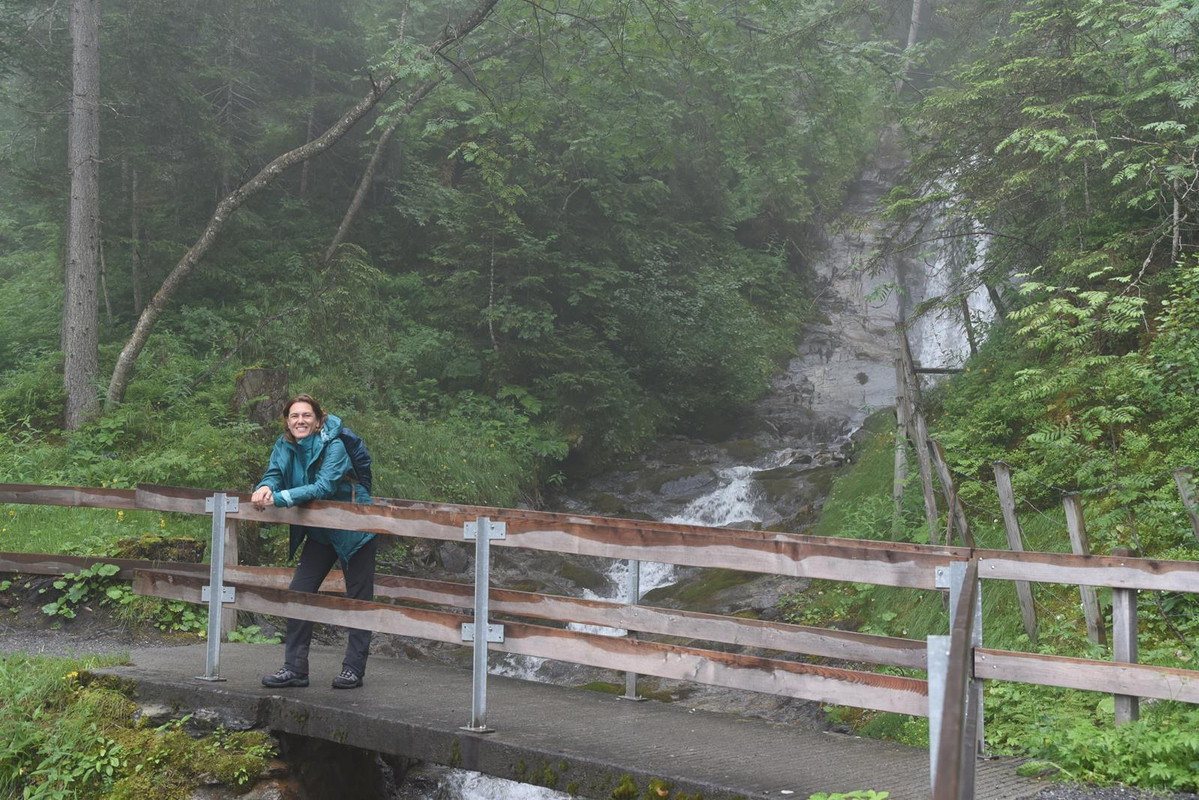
{"points": [[284, 677], [347, 679]]}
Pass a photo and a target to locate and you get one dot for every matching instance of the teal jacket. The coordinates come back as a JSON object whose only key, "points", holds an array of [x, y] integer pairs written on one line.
{"points": [[315, 468]]}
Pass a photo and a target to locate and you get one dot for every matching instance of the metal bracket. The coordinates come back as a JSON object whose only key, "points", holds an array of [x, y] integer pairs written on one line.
{"points": [[941, 578], [228, 593], [230, 505], [495, 633], [498, 530]]}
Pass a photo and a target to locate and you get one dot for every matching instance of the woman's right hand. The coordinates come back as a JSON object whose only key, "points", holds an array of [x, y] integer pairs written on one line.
{"points": [[262, 497]]}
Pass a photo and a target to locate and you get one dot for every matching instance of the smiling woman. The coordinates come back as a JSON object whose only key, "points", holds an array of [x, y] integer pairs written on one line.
{"points": [[309, 462]]}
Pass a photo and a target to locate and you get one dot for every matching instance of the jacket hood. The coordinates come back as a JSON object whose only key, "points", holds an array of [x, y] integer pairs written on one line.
{"points": [[331, 429]]}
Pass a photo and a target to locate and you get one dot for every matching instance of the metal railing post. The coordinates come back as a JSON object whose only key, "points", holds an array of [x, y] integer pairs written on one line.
{"points": [[938, 675], [482, 530], [216, 593], [632, 597]]}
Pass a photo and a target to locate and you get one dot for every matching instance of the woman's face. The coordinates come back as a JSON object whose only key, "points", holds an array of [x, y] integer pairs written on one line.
{"points": [[302, 421]]}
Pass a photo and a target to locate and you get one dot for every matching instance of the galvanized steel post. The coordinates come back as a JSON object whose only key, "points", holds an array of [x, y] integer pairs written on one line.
{"points": [[216, 593], [482, 530], [632, 597]]}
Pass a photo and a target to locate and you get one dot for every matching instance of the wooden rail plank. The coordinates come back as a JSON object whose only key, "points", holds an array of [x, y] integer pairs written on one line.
{"points": [[1117, 572], [882, 563], [840, 645], [820, 554], [77, 496], [1141, 680], [805, 681], [43, 564]]}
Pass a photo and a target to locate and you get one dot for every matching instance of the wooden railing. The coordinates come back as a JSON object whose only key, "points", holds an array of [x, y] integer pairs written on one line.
{"points": [[535, 624]]}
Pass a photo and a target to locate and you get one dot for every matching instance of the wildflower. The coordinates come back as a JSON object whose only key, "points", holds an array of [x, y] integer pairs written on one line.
{"points": [[121, 516]]}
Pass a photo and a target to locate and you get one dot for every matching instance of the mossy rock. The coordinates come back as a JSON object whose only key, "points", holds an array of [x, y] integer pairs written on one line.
{"points": [[583, 576], [700, 591], [605, 505], [675, 480], [744, 451], [783, 483], [153, 547]]}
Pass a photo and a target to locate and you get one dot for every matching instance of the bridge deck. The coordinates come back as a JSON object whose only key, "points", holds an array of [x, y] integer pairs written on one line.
{"points": [[576, 740]]}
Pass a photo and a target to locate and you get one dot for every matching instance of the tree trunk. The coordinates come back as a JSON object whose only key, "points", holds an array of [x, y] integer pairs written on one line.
{"points": [[135, 240], [80, 323], [123, 371], [913, 37]]}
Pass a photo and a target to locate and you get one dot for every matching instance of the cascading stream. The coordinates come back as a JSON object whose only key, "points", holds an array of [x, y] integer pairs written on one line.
{"points": [[775, 469]]}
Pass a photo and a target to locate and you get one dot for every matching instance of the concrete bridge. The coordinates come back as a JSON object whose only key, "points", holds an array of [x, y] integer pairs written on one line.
{"points": [[582, 742]]}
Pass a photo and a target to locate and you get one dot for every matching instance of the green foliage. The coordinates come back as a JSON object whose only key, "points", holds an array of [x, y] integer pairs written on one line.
{"points": [[68, 736], [252, 634], [80, 587], [1072, 732], [867, 794]]}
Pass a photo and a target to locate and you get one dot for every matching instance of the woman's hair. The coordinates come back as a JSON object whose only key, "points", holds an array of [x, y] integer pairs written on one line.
{"points": [[316, 409]]}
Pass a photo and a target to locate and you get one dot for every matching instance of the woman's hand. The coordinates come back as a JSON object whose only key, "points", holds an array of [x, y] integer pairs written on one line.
{"points": [[262, 497]]}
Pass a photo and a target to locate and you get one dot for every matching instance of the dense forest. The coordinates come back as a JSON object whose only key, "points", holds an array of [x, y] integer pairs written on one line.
{"points": [[554, 229], [513, 242]]}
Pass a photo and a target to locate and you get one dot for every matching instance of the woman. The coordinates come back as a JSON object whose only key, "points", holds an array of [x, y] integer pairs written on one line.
{"points": [[309, 462]]}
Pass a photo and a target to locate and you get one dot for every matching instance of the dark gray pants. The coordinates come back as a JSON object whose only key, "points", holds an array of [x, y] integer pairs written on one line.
{"points": [[316, 560]]}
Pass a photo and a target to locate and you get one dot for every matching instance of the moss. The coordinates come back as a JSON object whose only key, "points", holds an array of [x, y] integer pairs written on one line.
{"points": [[658, 788], [701, 591], [626, 788], [455, 758], [603, 687], [152, 547], [605, 505], [169, 763], [582, 576]]}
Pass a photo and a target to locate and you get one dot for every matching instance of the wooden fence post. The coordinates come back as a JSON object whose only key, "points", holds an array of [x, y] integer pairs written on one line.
{"points": [[1124, 641], [1186, 488], [1015, 542], [956, 512], [229, 615], [1082, 547], [900, 476], [918, 433]]}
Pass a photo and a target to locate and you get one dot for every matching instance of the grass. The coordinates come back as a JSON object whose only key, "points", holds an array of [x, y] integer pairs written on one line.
{"points": [[86, 531]]}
